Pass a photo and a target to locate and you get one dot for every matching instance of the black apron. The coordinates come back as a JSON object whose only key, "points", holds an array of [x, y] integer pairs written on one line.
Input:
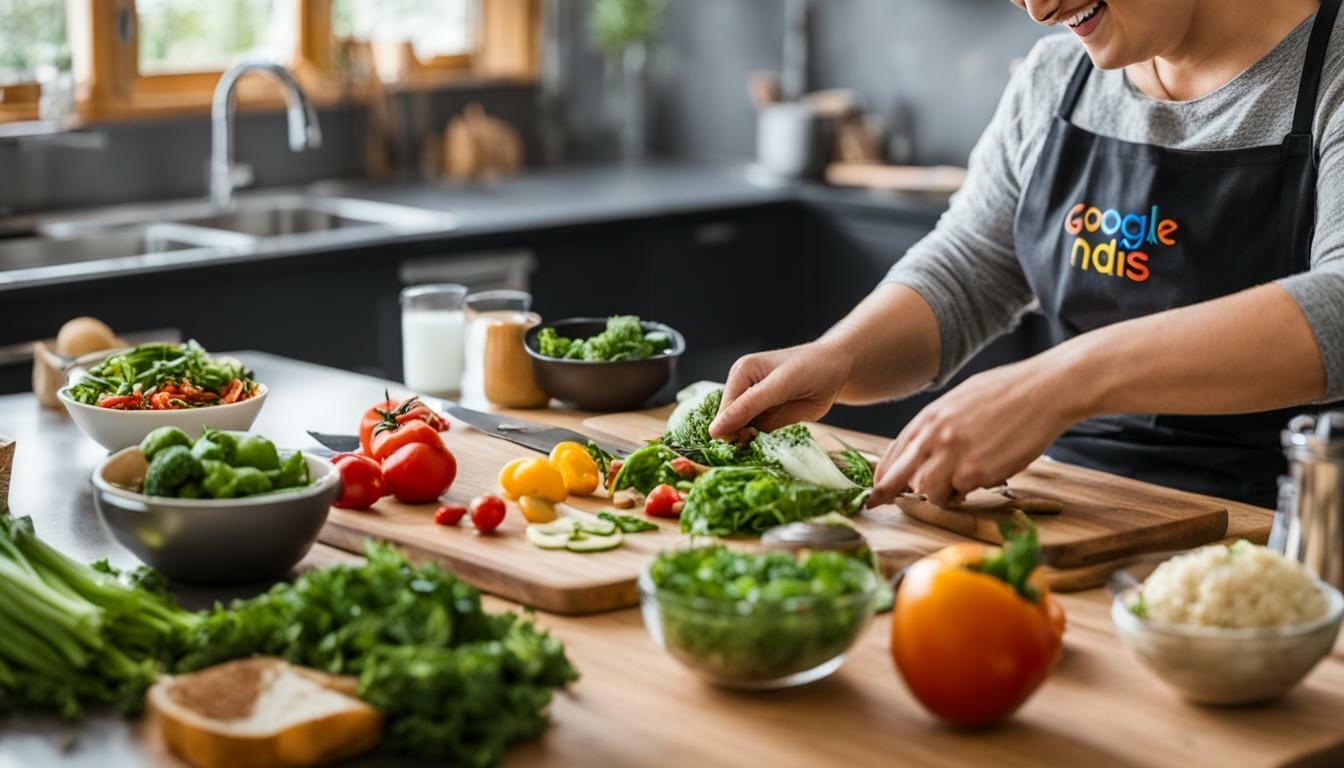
{"points": [[1109, 230]]}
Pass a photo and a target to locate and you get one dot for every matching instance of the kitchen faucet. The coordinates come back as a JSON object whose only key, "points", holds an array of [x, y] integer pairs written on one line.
{"points": [[303, 128]]}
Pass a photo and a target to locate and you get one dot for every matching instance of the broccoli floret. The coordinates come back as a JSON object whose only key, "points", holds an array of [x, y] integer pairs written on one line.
{"points": [[161, 438], [552, 344], [622, 340], [220, 479], [191, 490], [170, 469]]}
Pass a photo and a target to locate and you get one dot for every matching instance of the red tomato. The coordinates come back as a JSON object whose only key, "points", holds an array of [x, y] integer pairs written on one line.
{"points": [[663, 501], [417, 473], [361, 481], [683, 466], [391, 413], [386, 442], [449, 514], [487, 512]]}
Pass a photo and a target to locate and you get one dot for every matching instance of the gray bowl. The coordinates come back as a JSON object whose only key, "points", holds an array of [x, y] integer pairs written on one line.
{"points": [[213, 541], [598, 386]]}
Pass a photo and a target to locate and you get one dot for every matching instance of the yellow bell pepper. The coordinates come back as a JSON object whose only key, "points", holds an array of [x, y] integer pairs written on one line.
{"points": [[537, 510], [532, 477], [576, 466]]}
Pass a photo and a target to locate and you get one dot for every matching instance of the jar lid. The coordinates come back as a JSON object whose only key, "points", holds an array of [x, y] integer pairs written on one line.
{"points": [[1315, 435], [795, 536]]}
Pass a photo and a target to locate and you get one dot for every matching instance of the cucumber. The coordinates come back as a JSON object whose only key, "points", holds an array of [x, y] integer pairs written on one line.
{"points": [[596, 527], [584, 542], [553, 535]]}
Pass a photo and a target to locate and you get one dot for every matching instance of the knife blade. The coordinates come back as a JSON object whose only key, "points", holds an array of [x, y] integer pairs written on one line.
{"points": [[529, 434]]}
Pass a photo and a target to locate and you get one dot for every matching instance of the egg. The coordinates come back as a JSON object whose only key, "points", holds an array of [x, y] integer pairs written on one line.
{"points": [[84, 335]]}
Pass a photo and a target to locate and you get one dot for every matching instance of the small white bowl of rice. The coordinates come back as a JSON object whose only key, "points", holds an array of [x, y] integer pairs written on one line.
{"points": [[1221, 624]]}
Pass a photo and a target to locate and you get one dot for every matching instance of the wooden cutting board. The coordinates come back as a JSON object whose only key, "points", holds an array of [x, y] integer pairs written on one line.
{"points": [[503, 562], [1103, 518]]}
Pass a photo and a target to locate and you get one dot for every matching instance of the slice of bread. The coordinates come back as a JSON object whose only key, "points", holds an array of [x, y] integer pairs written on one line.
{"points": [[262, 713]]}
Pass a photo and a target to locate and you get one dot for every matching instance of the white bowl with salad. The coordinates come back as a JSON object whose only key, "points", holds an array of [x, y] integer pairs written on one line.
{"points": [[135, 391]]}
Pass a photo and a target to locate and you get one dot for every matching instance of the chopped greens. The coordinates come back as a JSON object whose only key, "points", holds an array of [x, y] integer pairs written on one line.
{"points": [[779, 615], [736, 501], [688, 431], [647, 468], [623, 339], [796, 451], [627, 523]]}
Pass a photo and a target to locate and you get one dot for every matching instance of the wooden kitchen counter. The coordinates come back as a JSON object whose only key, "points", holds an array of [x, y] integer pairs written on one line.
{"points": [[634, 705]]}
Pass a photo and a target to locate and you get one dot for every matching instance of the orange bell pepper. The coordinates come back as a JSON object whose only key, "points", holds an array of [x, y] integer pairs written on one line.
{"points": [[532, 477], [972, 646], [576, 466]]}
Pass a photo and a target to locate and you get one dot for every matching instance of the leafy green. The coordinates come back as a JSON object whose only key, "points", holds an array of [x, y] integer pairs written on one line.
{"points": [[623, 339], [627, 523], [617, 24], [740, 501], [454, 682], [149, 366], [648, 468], [854, 465], [780, 615], [688, 431], [74, 635], [600, 457], [797, 452], [227, 465], [1017, 558]]}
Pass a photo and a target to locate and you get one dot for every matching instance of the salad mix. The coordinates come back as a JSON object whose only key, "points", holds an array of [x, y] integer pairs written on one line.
{"points": [[623, 339], [164, 377]]}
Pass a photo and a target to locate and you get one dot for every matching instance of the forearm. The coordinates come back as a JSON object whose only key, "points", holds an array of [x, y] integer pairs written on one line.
{"points": [[1251, 351], [889, 342]]}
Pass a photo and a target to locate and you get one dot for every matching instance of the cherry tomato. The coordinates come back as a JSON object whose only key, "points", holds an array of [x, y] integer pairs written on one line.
{"points": [[361, 481], [487, 512], [971, 648], [683, 466], [417, 473], [663, 501], [449, 514], [391, 412]]}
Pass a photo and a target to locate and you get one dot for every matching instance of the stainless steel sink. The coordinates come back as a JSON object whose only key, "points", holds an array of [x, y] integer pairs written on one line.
{"points": [[164, 235]]}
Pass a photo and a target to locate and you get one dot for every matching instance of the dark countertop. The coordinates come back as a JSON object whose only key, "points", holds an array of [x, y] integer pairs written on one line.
{"points": [[538, 200]]}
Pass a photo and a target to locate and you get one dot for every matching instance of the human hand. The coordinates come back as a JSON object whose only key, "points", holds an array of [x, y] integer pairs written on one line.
{"points": [[771, 389], [979, 434]]}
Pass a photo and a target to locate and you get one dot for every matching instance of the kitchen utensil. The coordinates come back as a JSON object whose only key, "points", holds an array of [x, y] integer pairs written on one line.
{"points": [[433, 331], [538, 437], [509, 379], [602, 386], [115, 429], [930, 180], [1309, 525], [813, 536], [1214, 665], [213, 541]]}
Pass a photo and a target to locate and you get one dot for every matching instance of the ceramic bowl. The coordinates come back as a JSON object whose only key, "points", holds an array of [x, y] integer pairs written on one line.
{"points": [[115, 429], [602, 386], [213, 541]]}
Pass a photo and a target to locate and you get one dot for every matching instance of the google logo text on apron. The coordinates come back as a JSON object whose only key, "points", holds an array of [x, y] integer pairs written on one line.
{"points": [[1130, 231]]}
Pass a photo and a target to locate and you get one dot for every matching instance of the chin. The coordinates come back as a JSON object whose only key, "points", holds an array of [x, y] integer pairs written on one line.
{"points": [[1108, 56]]}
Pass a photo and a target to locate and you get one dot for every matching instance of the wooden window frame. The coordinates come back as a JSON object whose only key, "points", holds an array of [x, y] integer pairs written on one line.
{"points": [[109, 85]]}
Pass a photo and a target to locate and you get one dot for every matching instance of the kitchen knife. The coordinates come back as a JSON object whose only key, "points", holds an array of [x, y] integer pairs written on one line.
{"points": [[529, 434]]}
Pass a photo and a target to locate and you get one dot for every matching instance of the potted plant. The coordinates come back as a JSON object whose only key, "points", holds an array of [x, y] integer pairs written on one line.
{"points": [[622, 30]]}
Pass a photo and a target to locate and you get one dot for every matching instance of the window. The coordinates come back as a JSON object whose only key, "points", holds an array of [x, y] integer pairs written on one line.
{"points": [[32, 36], [193, 36], [434, 28]]}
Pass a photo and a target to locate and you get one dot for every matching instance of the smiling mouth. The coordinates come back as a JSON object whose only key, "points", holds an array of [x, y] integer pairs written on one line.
{"points": [[1082, 17]]}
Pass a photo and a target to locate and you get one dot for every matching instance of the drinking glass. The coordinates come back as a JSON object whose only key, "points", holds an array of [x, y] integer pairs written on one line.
{"points": [[432, 334]]}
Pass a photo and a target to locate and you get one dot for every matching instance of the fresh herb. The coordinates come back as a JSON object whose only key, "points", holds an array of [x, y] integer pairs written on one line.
{"points": [[74, 636], [853, 464], [1017, 558], [618, 24], [688, 431], [454, 682], [780, 615], [647, 468], [600, 457], [623, 339], [163, 376], [738, 501], [627, 523]]}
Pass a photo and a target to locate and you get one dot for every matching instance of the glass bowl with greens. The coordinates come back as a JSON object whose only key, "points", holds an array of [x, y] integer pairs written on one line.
{"points": [[758, 620]]}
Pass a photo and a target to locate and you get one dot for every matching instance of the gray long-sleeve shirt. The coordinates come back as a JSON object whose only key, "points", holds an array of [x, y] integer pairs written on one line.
{"points": [[967, 268]]}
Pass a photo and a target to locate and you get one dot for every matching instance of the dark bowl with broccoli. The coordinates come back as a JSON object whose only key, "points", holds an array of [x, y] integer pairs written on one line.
{"points": [[224, 508], [603, 364]]}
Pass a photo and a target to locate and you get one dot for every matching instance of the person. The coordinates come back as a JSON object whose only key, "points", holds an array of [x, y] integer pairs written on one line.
{"points": [[1170, 196]]}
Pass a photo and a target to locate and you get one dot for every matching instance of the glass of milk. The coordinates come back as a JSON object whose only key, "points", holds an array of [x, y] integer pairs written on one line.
{"points": [[482, 309], [433, 328]]}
